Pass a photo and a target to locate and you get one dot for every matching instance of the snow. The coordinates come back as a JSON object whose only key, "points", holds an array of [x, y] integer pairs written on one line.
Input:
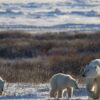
{"points": [[50, 14], [28, 91]]}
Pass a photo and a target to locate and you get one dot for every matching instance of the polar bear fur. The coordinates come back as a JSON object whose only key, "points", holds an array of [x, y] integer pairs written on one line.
{"points": [[2, 82], [59, 82], [92, 74]]}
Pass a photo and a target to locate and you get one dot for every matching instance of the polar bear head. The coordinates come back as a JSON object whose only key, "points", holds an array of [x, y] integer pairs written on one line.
{"points": [[91, 71], [74, 83]]}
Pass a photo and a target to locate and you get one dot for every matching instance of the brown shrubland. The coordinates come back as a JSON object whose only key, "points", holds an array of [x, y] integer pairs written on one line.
{"points": [[25, 57]]}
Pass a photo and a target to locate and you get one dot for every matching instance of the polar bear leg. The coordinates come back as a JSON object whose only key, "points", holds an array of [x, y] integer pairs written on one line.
{"points": [[53, 93], [59, 93], [69, 90]]}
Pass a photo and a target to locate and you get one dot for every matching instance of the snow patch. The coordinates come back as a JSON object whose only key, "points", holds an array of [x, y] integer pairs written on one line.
{"points": [[28, 91]]}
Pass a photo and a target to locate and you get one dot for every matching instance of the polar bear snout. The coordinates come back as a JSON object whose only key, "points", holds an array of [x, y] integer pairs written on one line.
{"points": [[82, 72], [83, 75]]}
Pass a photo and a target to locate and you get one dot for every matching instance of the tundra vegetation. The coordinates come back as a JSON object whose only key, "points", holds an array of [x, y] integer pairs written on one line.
{"points": [[27, 57]]}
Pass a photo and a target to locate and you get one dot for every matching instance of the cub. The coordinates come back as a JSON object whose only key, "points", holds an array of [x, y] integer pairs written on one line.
{"points": [[59, 82]]}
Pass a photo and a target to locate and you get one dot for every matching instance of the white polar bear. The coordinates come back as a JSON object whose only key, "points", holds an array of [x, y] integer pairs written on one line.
{"points": [[59, 82], [92, 74], [2, 82]]}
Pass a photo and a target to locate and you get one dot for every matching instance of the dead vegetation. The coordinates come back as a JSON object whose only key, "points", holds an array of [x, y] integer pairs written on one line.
{"points": [[35, 58]]}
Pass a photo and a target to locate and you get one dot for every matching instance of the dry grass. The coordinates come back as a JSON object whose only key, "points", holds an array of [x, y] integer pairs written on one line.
{"points": [[35, 58]]}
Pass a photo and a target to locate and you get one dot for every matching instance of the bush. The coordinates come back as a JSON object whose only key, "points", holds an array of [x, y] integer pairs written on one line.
{"points": [[35, 58]]}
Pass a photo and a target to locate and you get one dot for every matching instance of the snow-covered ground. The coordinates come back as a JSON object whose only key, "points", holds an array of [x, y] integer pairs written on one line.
{"points": [[50, 14], [27, 91]]}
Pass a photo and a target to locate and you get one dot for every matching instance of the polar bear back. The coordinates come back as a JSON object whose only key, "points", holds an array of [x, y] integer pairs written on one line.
{"points": [[95, 62]]}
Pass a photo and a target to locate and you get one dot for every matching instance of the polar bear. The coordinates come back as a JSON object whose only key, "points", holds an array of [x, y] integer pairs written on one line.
{"points": [[2, 82], [92, 74], [59, 82]]}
